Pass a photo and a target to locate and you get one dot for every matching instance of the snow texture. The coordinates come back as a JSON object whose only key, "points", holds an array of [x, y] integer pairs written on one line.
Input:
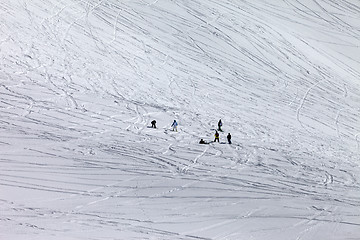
{"points": [[80, 82]]}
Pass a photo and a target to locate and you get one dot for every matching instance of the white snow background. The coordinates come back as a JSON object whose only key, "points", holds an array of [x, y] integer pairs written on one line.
{"points": [[80, 82]]}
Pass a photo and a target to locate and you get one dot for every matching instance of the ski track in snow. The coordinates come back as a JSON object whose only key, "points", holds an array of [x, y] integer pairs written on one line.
{"points": [[80, 82]]}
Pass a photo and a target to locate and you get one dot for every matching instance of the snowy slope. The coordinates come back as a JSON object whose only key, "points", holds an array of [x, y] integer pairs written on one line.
{"points": [[80, 82]]}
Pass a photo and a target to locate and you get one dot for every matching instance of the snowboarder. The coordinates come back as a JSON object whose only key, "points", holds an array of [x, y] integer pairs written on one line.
{"points": [[229, 138], [153, 124], [202, 141], [217, 136], [174, 125], [219, 125]]}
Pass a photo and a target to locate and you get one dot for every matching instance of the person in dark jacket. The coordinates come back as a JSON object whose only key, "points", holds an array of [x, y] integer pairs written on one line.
{"points": [[153, 124], [220, 125], [229, 138]]}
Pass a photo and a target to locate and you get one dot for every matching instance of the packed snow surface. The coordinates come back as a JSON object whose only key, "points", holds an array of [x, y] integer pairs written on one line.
{"points": [[80, 82]]}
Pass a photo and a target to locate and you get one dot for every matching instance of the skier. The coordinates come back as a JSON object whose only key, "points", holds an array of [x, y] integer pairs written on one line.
{"points": [[229, 138], [174, 125], [153, 124], [219, 125], [217, 136]]}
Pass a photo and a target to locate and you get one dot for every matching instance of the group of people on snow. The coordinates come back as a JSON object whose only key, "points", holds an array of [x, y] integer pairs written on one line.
{"points": [[217, 135], [173, 125], [217, 138]]}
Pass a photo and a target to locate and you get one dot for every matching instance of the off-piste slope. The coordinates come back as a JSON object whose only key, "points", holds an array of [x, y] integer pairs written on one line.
{"points": [[80, 82]]}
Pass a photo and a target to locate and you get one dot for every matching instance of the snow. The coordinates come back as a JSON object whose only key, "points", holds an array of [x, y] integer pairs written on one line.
{"points": [[80, 82]]}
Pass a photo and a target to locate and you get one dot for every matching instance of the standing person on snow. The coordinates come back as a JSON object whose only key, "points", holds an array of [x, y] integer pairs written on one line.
{"points": [[174, 125], [217, 138], [229, 138], [153, 124], [220, 125]]}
